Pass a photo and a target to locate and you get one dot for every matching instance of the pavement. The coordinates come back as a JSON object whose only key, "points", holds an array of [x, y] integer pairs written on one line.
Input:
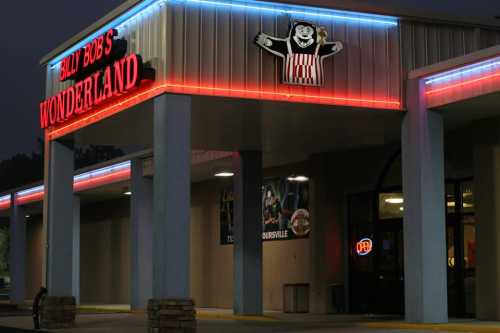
{"points": [[111, 320]]}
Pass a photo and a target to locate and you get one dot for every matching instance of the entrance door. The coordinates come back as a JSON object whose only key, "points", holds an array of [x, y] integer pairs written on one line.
{"points": [[389, 267]]}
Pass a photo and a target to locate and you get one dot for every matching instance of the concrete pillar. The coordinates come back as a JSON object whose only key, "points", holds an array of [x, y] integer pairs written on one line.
{"points": [[247, 233], [424, 211], [60, 229], [59, 307], [172, 196], [141, 238], [17, 254], [76, 248], [172, 210], [487, 202]]}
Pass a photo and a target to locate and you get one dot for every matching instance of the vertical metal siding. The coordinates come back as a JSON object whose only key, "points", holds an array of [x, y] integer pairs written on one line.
{"points": [[215, 46], [145, 35], [425, 44]]}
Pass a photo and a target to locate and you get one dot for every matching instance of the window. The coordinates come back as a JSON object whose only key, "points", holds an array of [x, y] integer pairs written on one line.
{"points": [[390, 205]]}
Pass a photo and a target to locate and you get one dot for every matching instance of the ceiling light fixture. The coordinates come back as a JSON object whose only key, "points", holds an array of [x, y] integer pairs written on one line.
{"points": [[224, 174], [299, 179], [394, 200]]}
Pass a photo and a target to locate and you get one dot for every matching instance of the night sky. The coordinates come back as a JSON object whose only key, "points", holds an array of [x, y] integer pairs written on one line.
{"points": [[31, 29]]}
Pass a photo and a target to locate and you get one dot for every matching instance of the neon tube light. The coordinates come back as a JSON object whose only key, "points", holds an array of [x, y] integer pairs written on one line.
{"points": [[299, 11], [462, 71], [266, 7], [106, 175], [5, 202], [91, 179], [217, 91], [462, 84]]}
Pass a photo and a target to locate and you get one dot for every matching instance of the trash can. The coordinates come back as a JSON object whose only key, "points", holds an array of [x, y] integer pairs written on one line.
{"points": [[296, 298]]}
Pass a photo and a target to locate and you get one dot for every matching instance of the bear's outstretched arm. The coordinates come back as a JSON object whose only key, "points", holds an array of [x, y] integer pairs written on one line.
{"points": [[330, 48], [277, 46]]}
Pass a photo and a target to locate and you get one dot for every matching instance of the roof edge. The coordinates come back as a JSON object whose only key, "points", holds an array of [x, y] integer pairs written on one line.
{"points": [[454, 63], [89, 30]]}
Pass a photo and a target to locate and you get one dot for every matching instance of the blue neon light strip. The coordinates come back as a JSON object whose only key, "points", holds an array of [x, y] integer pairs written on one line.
{"points": [[464, 70], [267, 7], [102, 171], [77, 178], [29, 191], [5, 198]]}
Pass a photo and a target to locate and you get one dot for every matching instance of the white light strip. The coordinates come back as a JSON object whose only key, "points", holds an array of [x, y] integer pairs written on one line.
{"points": [[5, 198], [103, 171], [78, 178], [464, 70], [29, 191], [269, 7]]}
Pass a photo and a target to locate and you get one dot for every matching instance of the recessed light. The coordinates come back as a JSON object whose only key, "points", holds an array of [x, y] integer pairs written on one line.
{"points": [[394, 200], [27, 216], [300, 179], [128, 193], [224, 174]]}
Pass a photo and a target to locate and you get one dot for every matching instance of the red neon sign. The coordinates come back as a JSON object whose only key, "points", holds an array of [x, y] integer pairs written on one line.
{"points": [[147, 93], [364, 247], [102, 73]]}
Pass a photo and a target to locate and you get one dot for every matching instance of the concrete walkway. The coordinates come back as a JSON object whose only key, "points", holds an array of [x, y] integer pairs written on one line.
{"points": [[119, 319]]}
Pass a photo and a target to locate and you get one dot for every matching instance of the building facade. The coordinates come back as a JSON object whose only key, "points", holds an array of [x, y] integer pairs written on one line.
{"points": [[359, 149]]}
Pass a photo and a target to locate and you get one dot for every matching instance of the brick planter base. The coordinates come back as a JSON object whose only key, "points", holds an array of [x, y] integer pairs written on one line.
{"points": [[57, 312], [171, 316]]}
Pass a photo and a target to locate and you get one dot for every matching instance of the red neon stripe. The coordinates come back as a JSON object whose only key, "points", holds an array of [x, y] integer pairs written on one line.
{"points": [[78, 186], [462, 84], [30, 198], [218, 91], [101, 180], [4, 205]]}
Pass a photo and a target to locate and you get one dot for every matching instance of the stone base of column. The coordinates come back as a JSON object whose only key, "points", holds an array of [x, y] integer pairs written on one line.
{"points": [[171, 316], [57, 312]]}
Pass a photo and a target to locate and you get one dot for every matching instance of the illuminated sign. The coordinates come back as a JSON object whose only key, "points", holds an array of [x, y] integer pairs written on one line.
{"points": [[302, 52], [101, 71], [364, 247]]}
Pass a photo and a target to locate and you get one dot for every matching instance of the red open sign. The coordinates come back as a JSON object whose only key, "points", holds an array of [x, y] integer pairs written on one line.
{"points": [[364, 246]]}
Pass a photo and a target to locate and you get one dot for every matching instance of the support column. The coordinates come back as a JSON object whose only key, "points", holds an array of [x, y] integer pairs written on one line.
{"points": [[141, 238], [247, 233], [17, 254], [171, 227], [424, 211], [76, 248], [487, 202], [58, 308]]}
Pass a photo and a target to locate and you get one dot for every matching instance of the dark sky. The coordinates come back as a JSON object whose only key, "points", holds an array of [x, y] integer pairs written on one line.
{"points": [[30, 29]]}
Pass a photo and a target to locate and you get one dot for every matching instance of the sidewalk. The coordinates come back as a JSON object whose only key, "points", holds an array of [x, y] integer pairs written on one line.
{"points": [[119, 319], [455, 325]]}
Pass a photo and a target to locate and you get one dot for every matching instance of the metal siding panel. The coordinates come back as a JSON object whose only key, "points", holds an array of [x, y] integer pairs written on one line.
{"points": [[238, 55], [367, 62], [208, 51], [254, 65], [223, 47], [192, 52], [214, 46], [353, 48]]}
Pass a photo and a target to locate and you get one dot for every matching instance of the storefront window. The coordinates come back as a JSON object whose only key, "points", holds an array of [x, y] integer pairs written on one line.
{"points": [[391, 205], [467, 197], [469, 242]]}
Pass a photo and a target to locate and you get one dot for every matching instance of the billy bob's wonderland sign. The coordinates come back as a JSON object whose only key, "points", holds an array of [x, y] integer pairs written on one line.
{"points": [[101, 72]]}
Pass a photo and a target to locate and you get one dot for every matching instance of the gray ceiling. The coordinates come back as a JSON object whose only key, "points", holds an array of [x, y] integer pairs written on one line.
{"points": [[476, 12]]}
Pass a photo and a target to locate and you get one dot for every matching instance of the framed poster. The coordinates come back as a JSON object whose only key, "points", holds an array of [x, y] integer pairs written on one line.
{"points": [[285, 211]]}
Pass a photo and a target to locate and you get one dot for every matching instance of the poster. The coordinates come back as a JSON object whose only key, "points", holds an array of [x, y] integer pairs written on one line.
{"points": [[285, 211]]}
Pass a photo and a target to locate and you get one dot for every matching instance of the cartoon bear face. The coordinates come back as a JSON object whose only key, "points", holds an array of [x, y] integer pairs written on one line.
{"points": [[304, 34]]}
